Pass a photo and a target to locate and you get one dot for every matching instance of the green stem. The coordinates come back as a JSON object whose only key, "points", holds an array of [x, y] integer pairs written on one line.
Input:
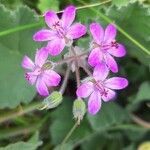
{"points": [[7, 133], [107, 19], [69, 133], [93, 5], [24, 110]]}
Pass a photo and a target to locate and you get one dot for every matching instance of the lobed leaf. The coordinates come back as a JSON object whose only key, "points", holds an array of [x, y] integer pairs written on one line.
{"points": [[13, 87]]}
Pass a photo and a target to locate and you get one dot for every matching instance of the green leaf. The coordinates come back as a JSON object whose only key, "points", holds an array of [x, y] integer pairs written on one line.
{"points": [[45, 5], [100, 141], [13, 4], [121, 3], [64, 147], [143, 92], [63, 121], [138, 28], [13, 87], [32, 144], [134, 132], [130, 147], [83, 17], [110, 115], [95, 142], [142, 95]]}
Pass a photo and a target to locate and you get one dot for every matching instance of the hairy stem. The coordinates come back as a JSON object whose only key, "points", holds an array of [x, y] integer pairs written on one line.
{"points": [[76, 66], [77, 75], [65, 81], [89, 5], [140, 122], [72, 58]]}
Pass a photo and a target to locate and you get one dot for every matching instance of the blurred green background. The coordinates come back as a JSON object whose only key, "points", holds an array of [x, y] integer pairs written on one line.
{"points": [[123, 124]]}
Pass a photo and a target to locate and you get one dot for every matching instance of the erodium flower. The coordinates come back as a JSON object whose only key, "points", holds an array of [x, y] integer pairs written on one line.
{"points": [[61, 32], [40, 73], [100, 88], [104, 46]]}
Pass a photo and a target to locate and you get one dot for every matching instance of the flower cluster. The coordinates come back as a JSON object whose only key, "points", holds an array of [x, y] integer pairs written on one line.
{"points": [[61, 33], [103, 48]]}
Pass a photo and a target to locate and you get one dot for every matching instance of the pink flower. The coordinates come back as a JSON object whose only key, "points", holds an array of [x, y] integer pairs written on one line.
{"points": [[61, 31], [104, 46], [40, 72], [100, 88]]}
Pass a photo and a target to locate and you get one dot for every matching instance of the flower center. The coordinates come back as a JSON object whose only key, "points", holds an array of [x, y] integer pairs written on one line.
{"points": [[100, 87], [59, 29], [56, 25], [48, 65], [104, 47]]}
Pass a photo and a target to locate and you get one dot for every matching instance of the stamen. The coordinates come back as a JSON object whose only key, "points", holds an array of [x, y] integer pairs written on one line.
{"points": [[56, 25], [114, 44], [101, 89], [104, 92], [27, 76]]}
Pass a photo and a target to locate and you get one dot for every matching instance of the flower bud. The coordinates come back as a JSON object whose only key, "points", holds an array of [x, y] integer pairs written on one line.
{"points": [[53, 100], [144, 146], [79, 109]]}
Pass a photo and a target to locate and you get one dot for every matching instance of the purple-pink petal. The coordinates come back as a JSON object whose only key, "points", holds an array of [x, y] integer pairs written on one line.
{"points": [[95, 57], [51, 19], [118, 52], [85, 90], [111, 63], [68, 16], [100, 72], [51, 78], [44, 35], [27, 63], [110, 33], [97, 32], [94, 103], [75, 31], [41, 56], [116, 83], [109, 96], [41, 87], [56, 46]]}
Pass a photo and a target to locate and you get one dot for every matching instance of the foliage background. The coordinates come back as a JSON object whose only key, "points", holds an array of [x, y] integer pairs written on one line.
{"points": [[120, 125]]}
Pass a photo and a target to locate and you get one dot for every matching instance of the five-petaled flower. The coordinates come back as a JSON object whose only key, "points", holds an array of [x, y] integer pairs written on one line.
{"points": [[104, 46], [40, 72], [61, 32], [100, 88]]}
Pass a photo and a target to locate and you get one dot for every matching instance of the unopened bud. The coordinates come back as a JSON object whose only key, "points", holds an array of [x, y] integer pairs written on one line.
{"points": [[53, 100], [79, 109], [144, 146]]}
